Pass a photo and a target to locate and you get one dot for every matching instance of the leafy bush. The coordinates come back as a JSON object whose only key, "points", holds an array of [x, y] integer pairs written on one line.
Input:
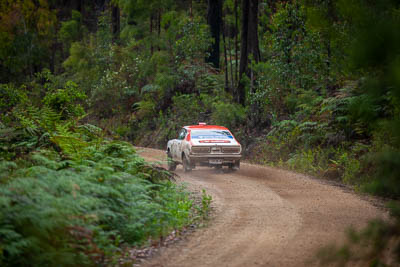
{"points": [[10, 97], [194, 38], [64, 101], [386, 179], [375, 245], [304, 162], [70, 197], [79, 211], [71, 30], [228, 114]]}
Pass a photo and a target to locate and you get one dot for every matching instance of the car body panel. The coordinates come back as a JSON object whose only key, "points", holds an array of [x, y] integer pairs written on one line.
{"points": [[205, 145]]}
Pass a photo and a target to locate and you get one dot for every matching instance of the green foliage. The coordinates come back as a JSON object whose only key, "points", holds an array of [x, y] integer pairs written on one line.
{"points": [[107, 94], [228, 114], [323, 100], [303, 162], [27, 29], [64, 101], [28, 127], [295, 70], [68, 212], [387, 175], [186, 110], [10, 97], [82, 65], [204, 209], [375, 245], [71, 30], [209, 83], [195, 39]]}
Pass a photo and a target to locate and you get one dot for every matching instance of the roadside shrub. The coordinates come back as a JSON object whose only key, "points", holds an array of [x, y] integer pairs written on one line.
{"points": [[107, 95], [10, 96], [303, 161], [78, 212], [71, 30], [228, 114], [385, 180], [65, 100], [194, 38]]}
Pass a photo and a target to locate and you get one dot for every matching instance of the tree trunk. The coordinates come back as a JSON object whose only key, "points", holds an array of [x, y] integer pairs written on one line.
{"points": [[240, 97], [53, 57], [254, 50], [151, 35], [236, 42], [226, 60], [191, 10], [115, 21], [77, 5], [333, 17], [249, 45], [214, 20], [159, 23], [252, 36], [231, 64], [158, 29]]}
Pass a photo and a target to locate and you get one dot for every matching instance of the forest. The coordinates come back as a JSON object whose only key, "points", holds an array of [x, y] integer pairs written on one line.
{"points": [[307, 85]]}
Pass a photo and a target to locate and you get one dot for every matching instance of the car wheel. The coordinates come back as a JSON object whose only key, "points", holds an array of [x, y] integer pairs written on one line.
{"points": [[186, 164], [171, 163], [234, 166], [237, 165]]}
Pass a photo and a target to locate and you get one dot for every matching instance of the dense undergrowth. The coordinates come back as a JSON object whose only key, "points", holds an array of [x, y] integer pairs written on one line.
{"points": [[328, 142], [71, 196]]}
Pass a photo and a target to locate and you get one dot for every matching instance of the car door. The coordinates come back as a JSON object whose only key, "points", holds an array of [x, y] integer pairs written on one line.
{"points": [[178, 144]]}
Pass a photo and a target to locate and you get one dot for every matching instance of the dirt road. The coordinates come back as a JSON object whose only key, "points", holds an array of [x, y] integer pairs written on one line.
{"points": [[263, 217]]}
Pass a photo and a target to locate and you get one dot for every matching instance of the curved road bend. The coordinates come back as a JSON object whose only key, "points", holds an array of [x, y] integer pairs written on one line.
{"points": [[263, 217]]}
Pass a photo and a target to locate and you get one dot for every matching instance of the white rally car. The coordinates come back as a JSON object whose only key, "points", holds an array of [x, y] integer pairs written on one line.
{"points": [[205, 145]]}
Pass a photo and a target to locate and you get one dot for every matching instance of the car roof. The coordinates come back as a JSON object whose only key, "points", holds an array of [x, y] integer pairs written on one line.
{"points": [[205, 127]]}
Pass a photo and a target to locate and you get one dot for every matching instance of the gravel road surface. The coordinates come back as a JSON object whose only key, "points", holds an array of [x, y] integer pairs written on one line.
{"points": [[263, 216]]}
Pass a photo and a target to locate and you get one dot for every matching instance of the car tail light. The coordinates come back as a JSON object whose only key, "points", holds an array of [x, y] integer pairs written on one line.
{"points": [[201, 149], [230, 149]]}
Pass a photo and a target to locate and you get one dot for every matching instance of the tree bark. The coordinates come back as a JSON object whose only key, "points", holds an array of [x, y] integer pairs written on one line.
{"points": [[241, 94], [115, 21], [253, 46], [158, 28], [236, 43], [226, 59], [158, 22], [77, 5], [151, 35], [214, 20], [231, 64], [333, 17], [249, 45]]}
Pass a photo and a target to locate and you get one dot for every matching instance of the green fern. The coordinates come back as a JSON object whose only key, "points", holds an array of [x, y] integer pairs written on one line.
{"points": [[70, 212], [72, 147]]}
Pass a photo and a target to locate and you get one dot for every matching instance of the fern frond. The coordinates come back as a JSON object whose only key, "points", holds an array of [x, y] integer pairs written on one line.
{"points": [[71, 146]]}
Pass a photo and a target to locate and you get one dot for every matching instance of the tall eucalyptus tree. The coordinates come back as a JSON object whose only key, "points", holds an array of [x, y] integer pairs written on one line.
{"points": [[214, 13], [249, 49]]}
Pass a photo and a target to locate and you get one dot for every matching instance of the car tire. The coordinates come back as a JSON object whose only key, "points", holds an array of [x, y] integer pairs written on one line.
{"points": [[186, 164], [234, 166], [237, 165], [171, 163]]}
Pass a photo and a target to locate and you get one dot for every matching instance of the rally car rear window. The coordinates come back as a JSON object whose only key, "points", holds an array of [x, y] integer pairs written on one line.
{"points": [[211, 134]]}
